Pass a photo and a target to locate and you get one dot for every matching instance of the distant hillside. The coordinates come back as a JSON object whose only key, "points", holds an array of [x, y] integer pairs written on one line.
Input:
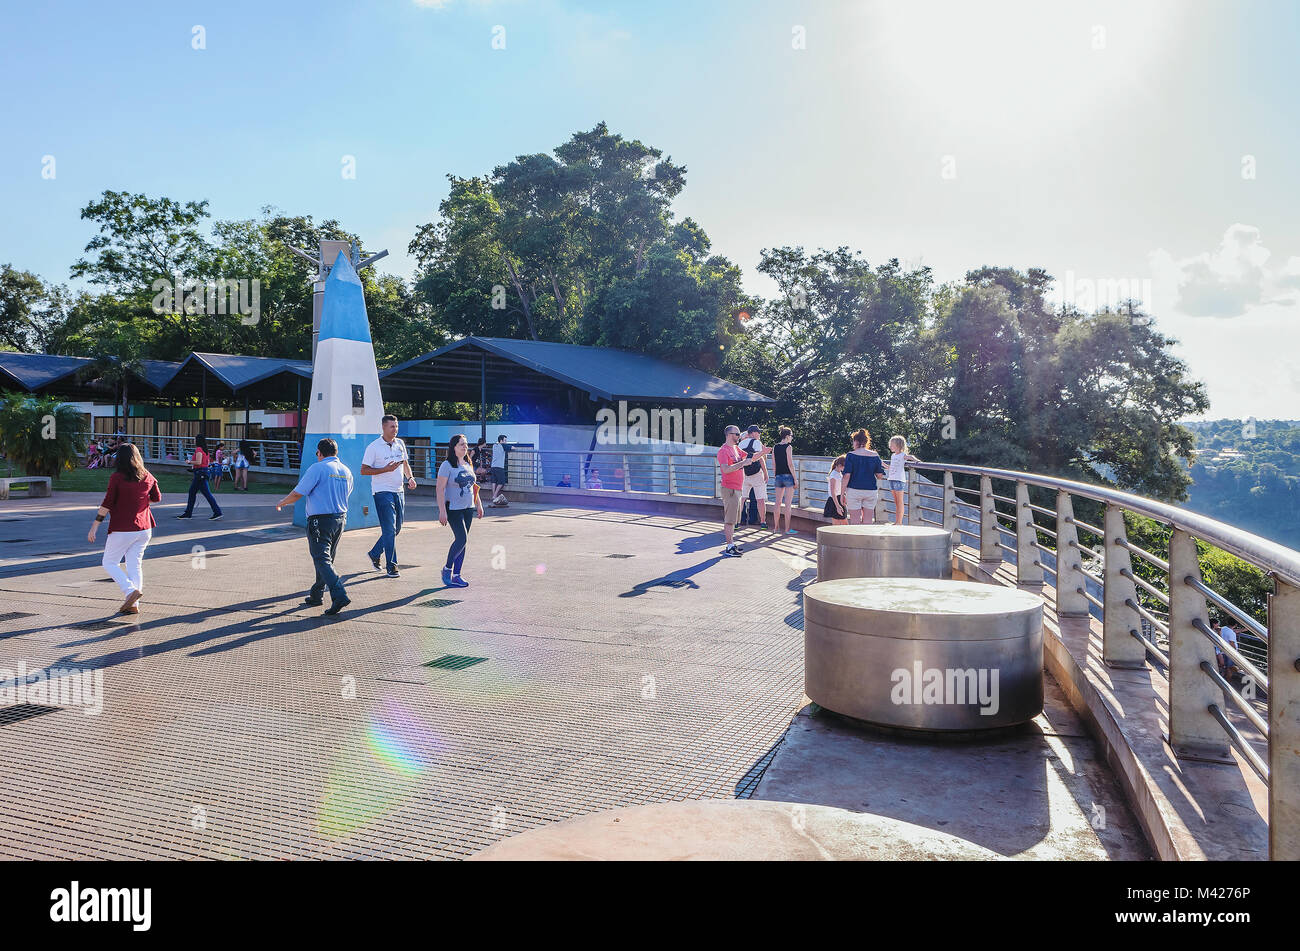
{"points": [[1248, 473]]}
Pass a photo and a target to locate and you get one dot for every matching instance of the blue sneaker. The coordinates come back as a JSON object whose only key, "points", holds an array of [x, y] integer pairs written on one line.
{"points": [[446, 576], [458, 582]]}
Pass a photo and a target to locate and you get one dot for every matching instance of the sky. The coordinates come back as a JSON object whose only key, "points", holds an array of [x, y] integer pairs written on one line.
{"points": [[1144, 148]]}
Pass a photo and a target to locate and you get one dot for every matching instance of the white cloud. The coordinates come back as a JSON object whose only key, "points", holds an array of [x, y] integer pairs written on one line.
{"points": [[1229, 281]]}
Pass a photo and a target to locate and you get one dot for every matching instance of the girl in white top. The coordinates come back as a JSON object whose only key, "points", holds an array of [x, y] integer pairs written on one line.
{"points": [[897, 475], [835, 510]]}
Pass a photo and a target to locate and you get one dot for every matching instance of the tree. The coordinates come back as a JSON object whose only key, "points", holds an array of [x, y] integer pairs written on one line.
{"points": [[40, 434], [34, 316], [525, 250], [1092, 397], [843, 346]]}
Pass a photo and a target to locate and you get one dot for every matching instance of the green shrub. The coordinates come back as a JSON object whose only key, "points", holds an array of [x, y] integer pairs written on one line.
{"points": [[39, 435]]}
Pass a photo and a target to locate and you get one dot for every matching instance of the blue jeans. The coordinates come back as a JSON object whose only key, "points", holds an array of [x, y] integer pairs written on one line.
{"points": [[390, 507], [323, 533], [200, 484], [784, 481]]}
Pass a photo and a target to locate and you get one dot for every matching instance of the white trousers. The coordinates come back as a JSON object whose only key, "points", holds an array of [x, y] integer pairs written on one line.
{"points": [[128, 547]]}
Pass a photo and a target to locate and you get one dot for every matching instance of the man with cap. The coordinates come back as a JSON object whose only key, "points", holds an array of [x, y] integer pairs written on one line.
{"points": [[326, 487]]}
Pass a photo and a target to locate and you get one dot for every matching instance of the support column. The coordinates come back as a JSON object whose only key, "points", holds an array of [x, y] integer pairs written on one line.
{"points": [[482, 394], [1029, 559], [1194, 733], [913, 497], [1070, 579], [990, 538], [1284, 721], [950, 508], [1119, 648]]}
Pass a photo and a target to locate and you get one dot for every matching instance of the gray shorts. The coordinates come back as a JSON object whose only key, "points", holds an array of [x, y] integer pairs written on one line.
{"points": [[498, 476]]}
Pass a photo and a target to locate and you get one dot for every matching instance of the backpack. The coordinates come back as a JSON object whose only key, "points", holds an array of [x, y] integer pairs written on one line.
{"points": [[754, 467]]}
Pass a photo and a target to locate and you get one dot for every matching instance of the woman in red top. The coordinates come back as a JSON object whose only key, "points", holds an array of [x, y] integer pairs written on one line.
{"points": [[126, 503], [199, 464]]}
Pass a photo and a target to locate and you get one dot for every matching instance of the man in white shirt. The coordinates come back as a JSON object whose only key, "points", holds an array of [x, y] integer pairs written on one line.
{"points": [[382, 460], [499, 471], [755, 472]]}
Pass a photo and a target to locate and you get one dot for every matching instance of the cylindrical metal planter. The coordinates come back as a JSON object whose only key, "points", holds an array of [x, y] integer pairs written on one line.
{"points": [[883, 551], [924, 654]]}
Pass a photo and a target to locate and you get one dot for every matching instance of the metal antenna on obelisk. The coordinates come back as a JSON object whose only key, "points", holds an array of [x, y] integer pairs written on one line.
{"points": [[329, 253]]}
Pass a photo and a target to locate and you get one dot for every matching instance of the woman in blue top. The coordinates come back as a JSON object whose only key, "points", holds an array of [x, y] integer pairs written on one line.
{"points": [[861, 468]]}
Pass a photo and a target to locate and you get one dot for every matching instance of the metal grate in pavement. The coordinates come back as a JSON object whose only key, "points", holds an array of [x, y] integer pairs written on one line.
{"points": [[455, 662], [439, 603]]}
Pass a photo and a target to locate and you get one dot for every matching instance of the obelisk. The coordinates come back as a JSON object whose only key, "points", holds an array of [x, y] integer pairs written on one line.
{"points": [[345, 403]]}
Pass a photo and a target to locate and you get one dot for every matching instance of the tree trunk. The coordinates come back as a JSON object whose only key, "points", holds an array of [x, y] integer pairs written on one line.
{"points": [[523, 297]]}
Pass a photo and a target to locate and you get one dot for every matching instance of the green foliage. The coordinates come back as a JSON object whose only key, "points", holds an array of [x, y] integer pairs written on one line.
{"points": [[1093, 397], [1247, 473], [38, 434], [578, 246], [1239, 581]]}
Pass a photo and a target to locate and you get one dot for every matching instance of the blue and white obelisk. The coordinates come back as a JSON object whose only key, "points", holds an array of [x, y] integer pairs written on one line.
{"points": [[345, 404]]}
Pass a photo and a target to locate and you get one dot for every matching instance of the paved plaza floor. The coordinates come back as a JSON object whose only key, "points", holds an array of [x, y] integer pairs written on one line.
{"points": [[599, 659]]}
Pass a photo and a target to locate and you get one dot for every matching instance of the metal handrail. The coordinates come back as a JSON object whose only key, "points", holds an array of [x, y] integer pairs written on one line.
{"points": [[1262, 553]]}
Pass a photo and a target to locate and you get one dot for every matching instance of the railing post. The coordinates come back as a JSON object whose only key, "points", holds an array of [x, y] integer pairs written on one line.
{"points": [[717, 482], [1029, 560], [990, 539], [1284, 721], [950, 522], [879, 516], [913, 497], [627, 476], [797, 501], [1070, 579], [672, 475], [1194, 733], [1119, 648]]}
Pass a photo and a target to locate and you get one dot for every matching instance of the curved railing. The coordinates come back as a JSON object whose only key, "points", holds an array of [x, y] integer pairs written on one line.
{"points": [[1208, 711]]}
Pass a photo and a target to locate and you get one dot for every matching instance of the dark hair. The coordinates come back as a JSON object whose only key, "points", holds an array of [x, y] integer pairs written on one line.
{"points": [[201, 442], [482, 441], [501, 437], [783, 432], [452, 443], [386, 417], [129, 464], [862, 439], [327, 447]]}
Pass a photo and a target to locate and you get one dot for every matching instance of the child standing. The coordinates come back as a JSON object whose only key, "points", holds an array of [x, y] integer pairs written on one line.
{"points": [[834, 509], [898, 459]]}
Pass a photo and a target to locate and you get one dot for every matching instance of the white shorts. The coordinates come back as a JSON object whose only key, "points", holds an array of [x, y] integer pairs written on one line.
{"points": [[855, 499], [755, 482]]}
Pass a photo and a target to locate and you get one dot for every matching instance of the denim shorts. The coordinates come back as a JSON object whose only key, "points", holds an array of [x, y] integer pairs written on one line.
{"points": [[784, 481], [896, 485]]}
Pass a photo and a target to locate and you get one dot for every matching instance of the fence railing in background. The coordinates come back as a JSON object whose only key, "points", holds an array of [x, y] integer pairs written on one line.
{"points": [[270, 455]]}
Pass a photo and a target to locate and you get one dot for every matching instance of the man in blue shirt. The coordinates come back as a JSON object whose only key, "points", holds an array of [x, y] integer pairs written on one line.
{"points": [[326, 487]]}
